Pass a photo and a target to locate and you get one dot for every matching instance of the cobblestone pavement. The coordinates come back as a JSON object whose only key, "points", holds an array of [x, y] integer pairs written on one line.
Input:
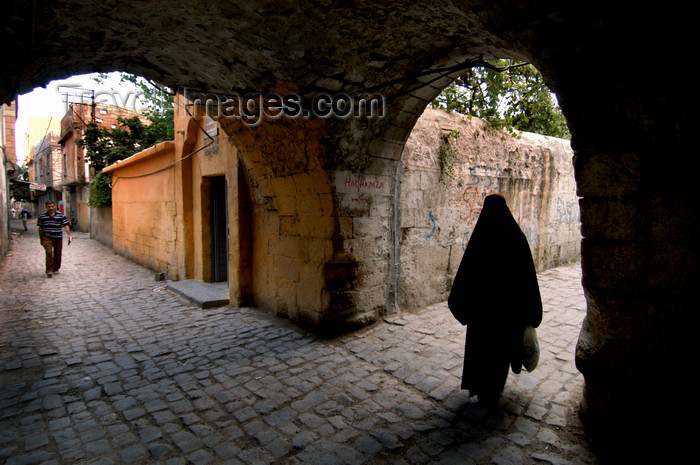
{"points": [[102, 365]]}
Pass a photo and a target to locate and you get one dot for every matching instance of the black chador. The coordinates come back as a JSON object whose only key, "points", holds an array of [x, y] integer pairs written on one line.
{"points": [[495, 293]]}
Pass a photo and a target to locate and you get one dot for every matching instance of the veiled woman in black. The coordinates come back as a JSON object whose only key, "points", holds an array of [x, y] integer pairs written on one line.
{"points": [[495, 293]]}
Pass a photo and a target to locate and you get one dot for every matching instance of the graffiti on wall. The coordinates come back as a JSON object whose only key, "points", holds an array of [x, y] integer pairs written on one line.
{"points": [[362, 198], [485, 176], [360, 189], [362, 183], [483, 181], [567, 211], [486, 180], [364, 187], [432, 220]]}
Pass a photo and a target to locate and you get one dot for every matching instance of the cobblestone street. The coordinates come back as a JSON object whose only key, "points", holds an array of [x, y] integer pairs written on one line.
{"points": [[104, 365]]}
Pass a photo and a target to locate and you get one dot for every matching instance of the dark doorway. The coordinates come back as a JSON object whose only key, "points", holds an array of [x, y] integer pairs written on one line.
{"points": [[218, 214]]}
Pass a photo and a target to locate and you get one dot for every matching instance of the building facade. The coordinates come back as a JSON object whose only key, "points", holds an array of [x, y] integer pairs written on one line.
{"points": [[8, 160], [46, 173], [76, 171]]}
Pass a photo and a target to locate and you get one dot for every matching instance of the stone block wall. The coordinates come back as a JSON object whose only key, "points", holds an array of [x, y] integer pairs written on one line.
{"points": [[291, 224], [365, 209], [101, 225], [151, 242], [437, 213]]}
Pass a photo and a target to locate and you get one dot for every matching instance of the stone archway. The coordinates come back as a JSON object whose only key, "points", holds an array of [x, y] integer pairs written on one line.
{"points": [[640, 258]]}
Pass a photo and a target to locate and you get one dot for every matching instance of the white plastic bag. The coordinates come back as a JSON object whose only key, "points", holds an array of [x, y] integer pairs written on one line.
{"points": [[531, 349]]}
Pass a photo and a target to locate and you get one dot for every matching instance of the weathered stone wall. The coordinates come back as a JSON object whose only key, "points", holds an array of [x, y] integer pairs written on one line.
{"points": [[101, 225], [438, 213], [365, 208], [292, 222], [407, 227]]}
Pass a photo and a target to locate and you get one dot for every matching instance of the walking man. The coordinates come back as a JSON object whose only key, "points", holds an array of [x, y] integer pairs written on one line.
{"points": [[51, 224], [25, 217]]}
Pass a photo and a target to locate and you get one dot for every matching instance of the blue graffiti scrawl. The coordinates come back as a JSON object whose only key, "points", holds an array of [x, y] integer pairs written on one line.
{"points": [[529, 234], [465, 240], [430, 214], [567, 212]]}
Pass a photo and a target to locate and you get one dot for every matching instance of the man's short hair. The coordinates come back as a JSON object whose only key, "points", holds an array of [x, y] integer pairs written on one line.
{"points": [[48, 202]]}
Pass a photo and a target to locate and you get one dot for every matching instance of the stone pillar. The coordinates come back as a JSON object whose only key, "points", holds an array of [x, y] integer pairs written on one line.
{"points": [[299, 266], [186, 131], [640, 273]]}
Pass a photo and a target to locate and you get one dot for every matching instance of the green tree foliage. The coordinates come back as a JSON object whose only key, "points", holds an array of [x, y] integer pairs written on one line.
{"points": [[157, 99], [100, 191], [509, 95], [20, 191], [105, 146]]}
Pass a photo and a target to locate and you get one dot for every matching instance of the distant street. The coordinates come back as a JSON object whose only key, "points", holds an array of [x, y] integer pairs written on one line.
{"points": [[104, 365]]}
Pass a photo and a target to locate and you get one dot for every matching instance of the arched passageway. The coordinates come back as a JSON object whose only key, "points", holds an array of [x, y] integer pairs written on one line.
{"points": [[630, 135]]}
